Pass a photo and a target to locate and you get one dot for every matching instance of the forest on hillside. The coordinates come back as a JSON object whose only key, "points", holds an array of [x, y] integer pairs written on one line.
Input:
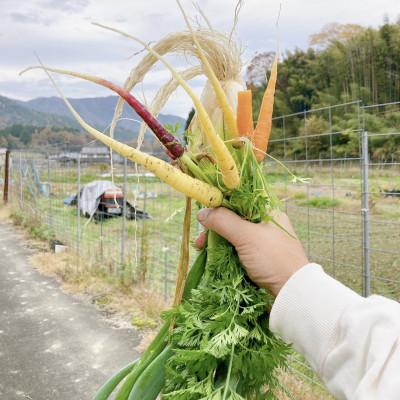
{"points": [[343, 63], [19, 136]]}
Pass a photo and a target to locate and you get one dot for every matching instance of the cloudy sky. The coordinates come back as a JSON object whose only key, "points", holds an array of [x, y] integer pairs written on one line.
{"points": [[60, 32]]}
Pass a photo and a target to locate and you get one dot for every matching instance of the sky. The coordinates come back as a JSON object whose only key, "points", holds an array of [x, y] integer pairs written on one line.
{"points": [[61, 33]]}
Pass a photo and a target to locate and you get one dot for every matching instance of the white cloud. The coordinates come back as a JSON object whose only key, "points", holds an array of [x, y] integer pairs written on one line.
{"points": [[61, 33]]}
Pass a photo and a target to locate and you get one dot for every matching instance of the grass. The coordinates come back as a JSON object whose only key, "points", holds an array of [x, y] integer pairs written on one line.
{"points": [[134, 303], [298, 387], [320, 202], [4, 213], [33, 224]]}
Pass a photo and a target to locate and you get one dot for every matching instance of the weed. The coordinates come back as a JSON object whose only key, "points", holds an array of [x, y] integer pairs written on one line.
{"points": [[143, 323], [299, 196], [320, 202], [33, 225], [101, 300]]}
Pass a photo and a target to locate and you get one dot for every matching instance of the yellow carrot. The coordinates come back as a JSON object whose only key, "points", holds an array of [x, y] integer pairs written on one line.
{"points": [[229, 115], [224, 159], [204, 193], [244, 113], [264, 124]]}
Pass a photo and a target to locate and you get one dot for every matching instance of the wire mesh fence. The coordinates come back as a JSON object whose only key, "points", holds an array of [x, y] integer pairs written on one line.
{"points": [[382, 201], [43, 183], [347, 215]]}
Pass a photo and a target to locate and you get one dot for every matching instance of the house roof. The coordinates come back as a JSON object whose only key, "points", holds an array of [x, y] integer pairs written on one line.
{"points": [[95, 150]]}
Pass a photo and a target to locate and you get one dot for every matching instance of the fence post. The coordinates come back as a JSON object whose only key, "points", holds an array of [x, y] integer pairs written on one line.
{"points": [[21, 188], [49, 193], [6, 174], [124, 210], [365, 214], [333, 192], [78, 204]]}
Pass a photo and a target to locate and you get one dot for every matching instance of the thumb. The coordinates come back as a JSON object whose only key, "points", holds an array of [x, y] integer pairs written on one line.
{"points": [[224, 222]]}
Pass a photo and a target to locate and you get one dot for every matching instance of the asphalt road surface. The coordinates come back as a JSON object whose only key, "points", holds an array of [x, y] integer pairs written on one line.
{"points": [[53, 346]]}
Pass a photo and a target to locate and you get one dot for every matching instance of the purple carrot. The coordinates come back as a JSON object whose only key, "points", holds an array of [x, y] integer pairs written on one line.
{"points": [[173, 148]]}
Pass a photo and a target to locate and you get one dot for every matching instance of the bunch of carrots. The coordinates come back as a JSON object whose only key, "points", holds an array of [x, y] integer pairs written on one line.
{"points": [[215, 342]]}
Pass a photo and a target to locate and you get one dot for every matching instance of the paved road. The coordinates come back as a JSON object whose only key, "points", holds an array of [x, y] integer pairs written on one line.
{"points": [[52, 345]]}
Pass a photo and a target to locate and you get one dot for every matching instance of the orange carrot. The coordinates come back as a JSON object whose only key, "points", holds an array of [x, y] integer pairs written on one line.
{"points": [[264, 124], [244, 113]]}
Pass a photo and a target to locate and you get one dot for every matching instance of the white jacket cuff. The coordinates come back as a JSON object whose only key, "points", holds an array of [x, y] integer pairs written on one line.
{"points": [[306, 312]]}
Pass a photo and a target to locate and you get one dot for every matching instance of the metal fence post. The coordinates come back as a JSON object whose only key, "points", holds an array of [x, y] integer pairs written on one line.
{"points": [[21, 188], [78, 203], [124, 210], [333, 192], [307, 186], [365, 214], [284, 160], [49, 193], [6, 174]]}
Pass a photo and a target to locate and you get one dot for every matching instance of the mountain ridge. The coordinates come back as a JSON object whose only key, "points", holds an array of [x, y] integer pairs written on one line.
{"points": [[51, 111]]}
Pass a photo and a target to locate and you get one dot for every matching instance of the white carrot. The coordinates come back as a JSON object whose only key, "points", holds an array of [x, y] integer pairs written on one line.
{"points": [[224, 159], [229, 115]]}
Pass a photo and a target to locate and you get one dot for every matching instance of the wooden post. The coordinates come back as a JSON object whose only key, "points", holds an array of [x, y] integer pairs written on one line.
{"points": [[6, 173]]}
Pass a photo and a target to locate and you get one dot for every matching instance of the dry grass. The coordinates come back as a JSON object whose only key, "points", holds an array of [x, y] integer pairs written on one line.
{"points": [[300, 389], [4, 213], [130, 304]]}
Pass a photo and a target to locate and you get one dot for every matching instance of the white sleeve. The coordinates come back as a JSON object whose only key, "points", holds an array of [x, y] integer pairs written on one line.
{"points": [[352, 342]]}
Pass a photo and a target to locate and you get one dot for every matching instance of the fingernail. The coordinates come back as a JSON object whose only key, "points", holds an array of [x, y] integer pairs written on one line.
{"points": [[203, 214]]}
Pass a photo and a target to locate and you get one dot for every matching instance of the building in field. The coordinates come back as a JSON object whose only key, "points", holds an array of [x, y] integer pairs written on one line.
{"points": [[98, 153]]}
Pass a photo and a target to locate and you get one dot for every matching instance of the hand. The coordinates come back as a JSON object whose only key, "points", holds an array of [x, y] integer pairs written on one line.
{"points": [[270, 255]]}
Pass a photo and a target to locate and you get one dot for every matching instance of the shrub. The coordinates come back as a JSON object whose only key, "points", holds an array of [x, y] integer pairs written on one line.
{"points": [[320, 202]]}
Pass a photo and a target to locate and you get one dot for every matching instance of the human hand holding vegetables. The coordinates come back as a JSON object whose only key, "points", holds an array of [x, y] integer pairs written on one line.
{"points": [[270, 255]]}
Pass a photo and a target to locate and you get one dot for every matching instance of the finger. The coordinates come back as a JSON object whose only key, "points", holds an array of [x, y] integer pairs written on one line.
{"points": [[200, 241], [281, 220], [224, 222]]}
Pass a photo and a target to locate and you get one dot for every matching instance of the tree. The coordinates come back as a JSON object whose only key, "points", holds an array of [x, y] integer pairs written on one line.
{"points": [[256, 71], [346, 62], [3, 141], [335, 32], [14, 142]]}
